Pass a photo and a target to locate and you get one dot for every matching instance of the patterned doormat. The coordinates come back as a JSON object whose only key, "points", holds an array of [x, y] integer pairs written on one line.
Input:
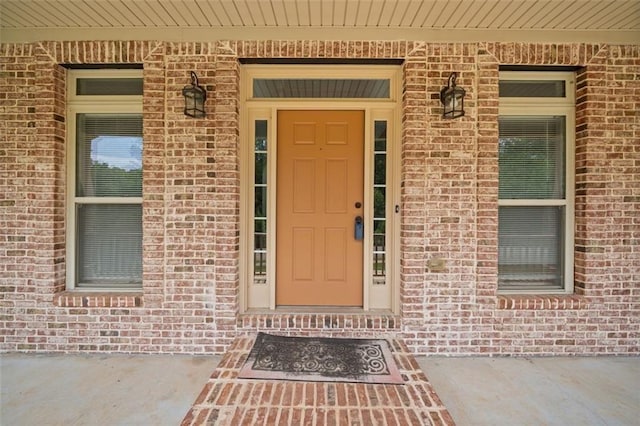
{"points": [[317, 359]]}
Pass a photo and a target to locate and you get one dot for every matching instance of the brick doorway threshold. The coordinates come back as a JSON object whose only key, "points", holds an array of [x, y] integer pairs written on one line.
{"points": [[227, 400]]}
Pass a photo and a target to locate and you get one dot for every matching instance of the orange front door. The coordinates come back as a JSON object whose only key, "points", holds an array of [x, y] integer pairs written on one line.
{"points": [[319, 196]]}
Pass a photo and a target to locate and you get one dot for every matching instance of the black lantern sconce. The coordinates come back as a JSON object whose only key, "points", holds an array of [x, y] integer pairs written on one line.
{"points": [[452, 97], [194, 97]]}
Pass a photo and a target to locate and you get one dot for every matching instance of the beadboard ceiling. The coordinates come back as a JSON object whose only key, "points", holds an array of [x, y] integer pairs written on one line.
{"points": [[455, 20]]}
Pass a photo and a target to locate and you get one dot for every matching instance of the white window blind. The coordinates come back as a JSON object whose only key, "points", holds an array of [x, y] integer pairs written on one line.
{"points": [[531, 167], [532, 157], [531, 247], [109, 245], [108, 164]]}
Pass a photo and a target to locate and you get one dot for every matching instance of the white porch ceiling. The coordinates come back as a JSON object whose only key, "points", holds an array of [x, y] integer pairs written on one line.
{"points": [[535, 20]]}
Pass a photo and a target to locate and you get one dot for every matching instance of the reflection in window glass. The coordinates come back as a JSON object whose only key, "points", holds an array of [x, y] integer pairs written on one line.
{"points": [[260, 204], [379, 202], [109, 155]]}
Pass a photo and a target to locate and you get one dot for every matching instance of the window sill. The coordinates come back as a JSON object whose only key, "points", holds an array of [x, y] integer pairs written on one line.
{"points": [[547, 301], [74, 299]]}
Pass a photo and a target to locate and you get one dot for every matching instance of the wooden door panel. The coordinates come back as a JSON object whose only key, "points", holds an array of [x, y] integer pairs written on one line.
{"points": [[335, 254], [319, 181], [303, 253], [336, 186], [337, 133], [304, 133], [304, 187]]}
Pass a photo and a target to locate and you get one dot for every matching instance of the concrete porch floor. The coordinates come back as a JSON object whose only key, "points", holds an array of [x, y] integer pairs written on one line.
{"points": [[160, 389]]}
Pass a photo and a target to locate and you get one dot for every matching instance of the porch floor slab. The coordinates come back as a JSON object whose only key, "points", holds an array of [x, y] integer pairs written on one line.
{"points": [[132, 390], [595, 391], [99, 389]]}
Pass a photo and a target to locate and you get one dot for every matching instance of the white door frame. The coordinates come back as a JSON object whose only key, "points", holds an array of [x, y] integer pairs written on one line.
{"points": [[259, 295]]}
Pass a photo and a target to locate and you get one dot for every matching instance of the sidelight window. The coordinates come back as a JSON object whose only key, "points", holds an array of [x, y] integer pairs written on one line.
{"points": [[260, 203], [379, 203]]}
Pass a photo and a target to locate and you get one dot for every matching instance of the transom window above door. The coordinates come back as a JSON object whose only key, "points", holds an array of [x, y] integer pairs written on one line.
{"points": [[321, 88], [302, 82]]}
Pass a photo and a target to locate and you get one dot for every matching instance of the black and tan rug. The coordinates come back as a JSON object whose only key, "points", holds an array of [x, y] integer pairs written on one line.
{"points": [[319, 359]]}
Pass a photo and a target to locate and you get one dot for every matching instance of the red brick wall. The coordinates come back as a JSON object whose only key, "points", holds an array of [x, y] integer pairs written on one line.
{"points": [[190, 297]]}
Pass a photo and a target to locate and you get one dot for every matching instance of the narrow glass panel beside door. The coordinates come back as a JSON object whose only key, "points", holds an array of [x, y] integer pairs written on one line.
{"points": [[260, 203], [379, 203]]}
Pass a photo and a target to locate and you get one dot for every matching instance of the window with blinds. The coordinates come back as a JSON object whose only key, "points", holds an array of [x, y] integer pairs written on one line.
{"points": [[105, 180], [532, 157], [535, 156]]}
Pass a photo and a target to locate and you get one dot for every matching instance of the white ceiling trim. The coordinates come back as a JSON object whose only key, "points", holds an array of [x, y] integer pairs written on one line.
{"points": [[205, 35]]}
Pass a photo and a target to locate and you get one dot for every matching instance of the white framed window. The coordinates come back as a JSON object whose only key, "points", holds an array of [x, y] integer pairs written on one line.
{"points": [[104, 179], [536, 182]]}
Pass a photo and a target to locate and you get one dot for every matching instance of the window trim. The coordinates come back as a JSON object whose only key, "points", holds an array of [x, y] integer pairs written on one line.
{"points": [[565, 106], [98, 104]]}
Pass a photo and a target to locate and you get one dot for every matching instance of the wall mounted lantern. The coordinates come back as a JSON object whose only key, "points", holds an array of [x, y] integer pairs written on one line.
{"points": [[194, 97], [452, 97]]}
